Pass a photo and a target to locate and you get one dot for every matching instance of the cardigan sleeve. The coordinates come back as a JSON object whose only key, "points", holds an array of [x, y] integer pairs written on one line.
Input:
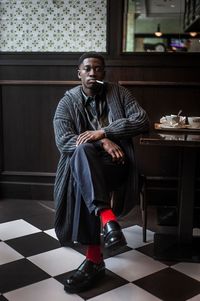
{"points": [[133, 120], [64, 128]]}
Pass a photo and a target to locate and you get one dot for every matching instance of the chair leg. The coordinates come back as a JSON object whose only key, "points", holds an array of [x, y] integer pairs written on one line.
{"points": [[143, 206]]}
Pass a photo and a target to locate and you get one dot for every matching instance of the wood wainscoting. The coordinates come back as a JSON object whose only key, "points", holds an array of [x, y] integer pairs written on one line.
{"points": [[28, 153]]}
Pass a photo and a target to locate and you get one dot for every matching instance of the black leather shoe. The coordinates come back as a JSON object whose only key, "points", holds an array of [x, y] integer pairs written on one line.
{"points": [[84, 277], [113, 236]]}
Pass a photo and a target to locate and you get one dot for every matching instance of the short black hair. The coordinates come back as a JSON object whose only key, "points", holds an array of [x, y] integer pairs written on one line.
{"points": [[91, 54]]}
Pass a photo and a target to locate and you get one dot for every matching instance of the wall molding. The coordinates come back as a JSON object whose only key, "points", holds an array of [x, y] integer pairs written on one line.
{"points": [[159, 83], [74, 82], [30, 185], [157, 187], [39, 82], [28, 174]]}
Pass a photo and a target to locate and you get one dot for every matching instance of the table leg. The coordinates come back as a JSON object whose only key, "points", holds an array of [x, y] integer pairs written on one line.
{"points": [[186, 194]]}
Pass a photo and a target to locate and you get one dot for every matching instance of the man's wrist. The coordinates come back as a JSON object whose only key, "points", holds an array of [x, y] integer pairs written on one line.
{"points": [[103, 133]]}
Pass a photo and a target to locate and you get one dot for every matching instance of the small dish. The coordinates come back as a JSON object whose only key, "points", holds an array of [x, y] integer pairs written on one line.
{"points": [[184, 127]]}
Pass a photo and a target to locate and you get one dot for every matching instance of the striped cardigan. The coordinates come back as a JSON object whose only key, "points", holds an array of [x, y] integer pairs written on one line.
{"points": [[129, 120]]}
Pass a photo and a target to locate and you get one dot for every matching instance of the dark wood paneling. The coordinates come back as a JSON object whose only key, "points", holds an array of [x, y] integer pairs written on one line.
{"points": [[140, 67], [1, 132], [40, 72], [164, 98], [27, 127], [29, 155]]}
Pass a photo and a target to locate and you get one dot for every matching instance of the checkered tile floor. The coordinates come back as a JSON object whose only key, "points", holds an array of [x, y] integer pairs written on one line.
{"points": [[33, 265]]}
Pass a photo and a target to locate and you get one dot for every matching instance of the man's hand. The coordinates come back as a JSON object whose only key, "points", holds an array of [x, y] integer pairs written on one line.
{"points": [[114, 150], [90, 136]]}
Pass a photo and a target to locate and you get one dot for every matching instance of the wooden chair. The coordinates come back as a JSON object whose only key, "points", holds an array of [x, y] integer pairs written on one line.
{"points": [[143, 206]]}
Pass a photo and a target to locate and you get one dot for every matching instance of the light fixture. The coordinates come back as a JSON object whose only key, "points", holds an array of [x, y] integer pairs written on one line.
{"points": [[158, 33], [193, 34]]}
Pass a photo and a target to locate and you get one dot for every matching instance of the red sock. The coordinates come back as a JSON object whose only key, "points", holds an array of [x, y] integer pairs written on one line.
{"points": [[107, 215], [94, 253]]}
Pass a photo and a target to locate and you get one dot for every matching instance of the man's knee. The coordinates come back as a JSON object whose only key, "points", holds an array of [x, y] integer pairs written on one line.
{"points": [[84, 147], [82, 151]]}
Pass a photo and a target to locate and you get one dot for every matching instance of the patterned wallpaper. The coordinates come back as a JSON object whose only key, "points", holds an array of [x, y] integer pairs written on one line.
{"points": [[53, 25]]}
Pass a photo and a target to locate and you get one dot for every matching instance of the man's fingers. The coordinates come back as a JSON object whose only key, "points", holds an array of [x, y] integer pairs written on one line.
{"points": [[82, 140], [84, 137], [117, 155]]}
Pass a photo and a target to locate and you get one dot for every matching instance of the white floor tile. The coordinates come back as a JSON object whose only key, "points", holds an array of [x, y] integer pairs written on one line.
{"points": [[195, 298], [8, 254], [16, 228], [51, 232], [47, 290], [189, 268], [128, 292], [133, 236], [58, 261], [133, 265]]}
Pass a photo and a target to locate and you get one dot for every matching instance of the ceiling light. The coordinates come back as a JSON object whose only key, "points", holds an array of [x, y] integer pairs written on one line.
{"points": [[158, 33], [193, 34]]}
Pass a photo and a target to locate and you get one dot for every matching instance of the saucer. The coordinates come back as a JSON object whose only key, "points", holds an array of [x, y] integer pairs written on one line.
{"points": [[168, 126], [192, 127], [184, 127]]}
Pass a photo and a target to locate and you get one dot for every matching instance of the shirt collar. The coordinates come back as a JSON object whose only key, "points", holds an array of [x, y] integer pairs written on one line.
{"points": [[86, 98]]}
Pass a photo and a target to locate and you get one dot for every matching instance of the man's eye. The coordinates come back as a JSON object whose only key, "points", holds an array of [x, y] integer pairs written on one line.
{"points": [[96, 69], [87, 68]]}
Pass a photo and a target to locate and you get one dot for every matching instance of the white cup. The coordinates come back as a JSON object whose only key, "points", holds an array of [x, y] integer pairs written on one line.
{"points": [[194, 122]]}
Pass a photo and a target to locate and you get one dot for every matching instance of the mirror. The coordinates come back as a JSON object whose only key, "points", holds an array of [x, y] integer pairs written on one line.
{"points": [[160, 26]]}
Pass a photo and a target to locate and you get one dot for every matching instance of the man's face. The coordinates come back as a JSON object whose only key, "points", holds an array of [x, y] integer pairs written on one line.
{"points": [[89, 71]]}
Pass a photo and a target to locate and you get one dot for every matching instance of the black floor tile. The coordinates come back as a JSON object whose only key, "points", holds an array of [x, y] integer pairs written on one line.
{"points": [[2, 298], [43, 221], [18, 274], [169, 285], [47, 204], [13, 209], [167, 216], [132, 218], [149, 251], [33, 244], [109, 282]]}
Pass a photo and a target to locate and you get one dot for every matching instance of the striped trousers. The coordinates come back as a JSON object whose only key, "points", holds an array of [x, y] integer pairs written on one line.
{"points": [[95, 177]]}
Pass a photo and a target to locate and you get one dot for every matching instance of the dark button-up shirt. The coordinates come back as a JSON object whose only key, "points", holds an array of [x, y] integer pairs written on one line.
{"points": [[96, 109]]}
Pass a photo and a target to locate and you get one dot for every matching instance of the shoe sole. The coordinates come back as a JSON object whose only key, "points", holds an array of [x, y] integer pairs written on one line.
{"points": [[75, 290]]}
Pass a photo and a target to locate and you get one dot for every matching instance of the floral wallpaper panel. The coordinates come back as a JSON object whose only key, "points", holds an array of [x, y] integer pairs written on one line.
{"points": [[53, 25]]}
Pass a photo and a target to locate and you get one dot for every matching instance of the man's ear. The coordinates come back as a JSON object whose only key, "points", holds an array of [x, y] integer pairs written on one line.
{"points": [[79, 76]]}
